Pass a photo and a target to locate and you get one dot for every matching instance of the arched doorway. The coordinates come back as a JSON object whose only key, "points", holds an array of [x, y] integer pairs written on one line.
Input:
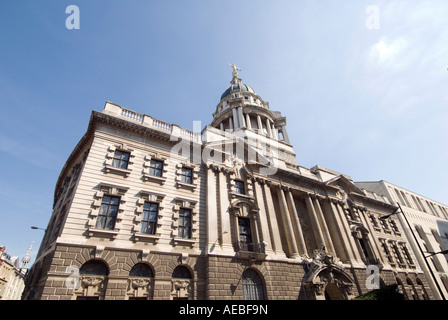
{"points": [[332, 292], [326, 279]]}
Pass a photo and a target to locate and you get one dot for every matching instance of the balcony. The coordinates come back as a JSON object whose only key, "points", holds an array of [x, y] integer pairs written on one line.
{"points": [[246, 250]]}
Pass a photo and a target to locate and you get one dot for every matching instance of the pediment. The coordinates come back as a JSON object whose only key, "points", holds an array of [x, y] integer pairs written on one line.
{"points": [[345, 184]]}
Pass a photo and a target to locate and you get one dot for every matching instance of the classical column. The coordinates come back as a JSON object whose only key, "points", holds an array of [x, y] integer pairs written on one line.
{"points": [[212, 210], [260, 125], [323, 223], [275, 131], [285, 134], [241, 117], [221, 126], [272, 218], [224, 208], [231, 123], [318, 235], [352, 248], [264, 223], [248, 124], [287, 225], [268, 128], [236, 124], [345, 245], [374, 242], [296, 223]]}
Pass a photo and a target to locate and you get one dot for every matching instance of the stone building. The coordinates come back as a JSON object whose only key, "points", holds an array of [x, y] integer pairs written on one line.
{"points": [[145, 209], [11, 276], [429, 234]]}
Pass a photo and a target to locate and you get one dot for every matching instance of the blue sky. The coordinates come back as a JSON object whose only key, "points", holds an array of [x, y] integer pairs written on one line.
{"points": [[369, 103]]}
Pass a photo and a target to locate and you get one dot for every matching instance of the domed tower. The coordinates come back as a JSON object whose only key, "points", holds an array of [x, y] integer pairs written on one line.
{"points": [[242, 112], [241, 108]]}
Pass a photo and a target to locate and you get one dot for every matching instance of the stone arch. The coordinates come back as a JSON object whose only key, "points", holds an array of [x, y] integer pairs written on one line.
{"points": [[93, 279], [326, 272], [182, 283], [140, 282]]}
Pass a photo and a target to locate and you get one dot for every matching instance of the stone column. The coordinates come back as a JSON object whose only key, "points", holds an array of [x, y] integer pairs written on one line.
{"points": [[318, 235], [326, 233], [231, 123], [351, 246], [296, 223], [260, 125], [285, 134], [236, 124], [241, 117], [224, 209], [248, 124], [212, 210], [345, 245], [287, 225], [264, 223], [374, 242], [268, 128], [275, 130], [272, 218]]}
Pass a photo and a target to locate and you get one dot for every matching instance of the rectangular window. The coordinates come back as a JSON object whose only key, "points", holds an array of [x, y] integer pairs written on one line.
{"points": [[149, 218], [240, 187], [156, 168], [186, 175], [121, 159], [185, 223], [245, 235], [108, 213]]}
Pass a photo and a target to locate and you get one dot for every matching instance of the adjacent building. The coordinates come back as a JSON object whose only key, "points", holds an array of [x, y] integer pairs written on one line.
{"points": [[145, 209], [11, 276], [425, 223]]}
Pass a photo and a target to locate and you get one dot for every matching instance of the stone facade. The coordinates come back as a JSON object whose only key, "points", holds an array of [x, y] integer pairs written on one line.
{"points": [[145, 209], [425, 223]]}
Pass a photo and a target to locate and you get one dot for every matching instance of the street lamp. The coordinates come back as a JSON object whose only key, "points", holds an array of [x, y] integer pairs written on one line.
{"points": [[37, 228], [440, 252], [398, 210]]}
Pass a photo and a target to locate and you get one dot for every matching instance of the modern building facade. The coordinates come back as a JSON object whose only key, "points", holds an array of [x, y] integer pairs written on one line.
{"points": [[145, 209], [425, 223]]}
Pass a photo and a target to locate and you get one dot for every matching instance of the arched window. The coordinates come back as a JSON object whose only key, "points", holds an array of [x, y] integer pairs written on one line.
{"points": [[182, 284], [94, 267], [93, 275], [422, 288], [181, 272], [253, 288], [141, 270]]}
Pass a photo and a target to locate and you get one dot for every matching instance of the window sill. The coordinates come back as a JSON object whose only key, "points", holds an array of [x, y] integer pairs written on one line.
{"points": [[102, 232], [147, 177], [245, 196], [190, 186], [147, 237], [182, 241], [125, 172]]}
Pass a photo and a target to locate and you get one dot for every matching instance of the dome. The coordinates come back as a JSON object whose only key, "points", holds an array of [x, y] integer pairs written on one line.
{"points": [[237, 86]]}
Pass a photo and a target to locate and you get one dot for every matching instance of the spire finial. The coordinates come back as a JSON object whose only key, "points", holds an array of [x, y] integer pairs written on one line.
{"points": [[26, 259]]}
